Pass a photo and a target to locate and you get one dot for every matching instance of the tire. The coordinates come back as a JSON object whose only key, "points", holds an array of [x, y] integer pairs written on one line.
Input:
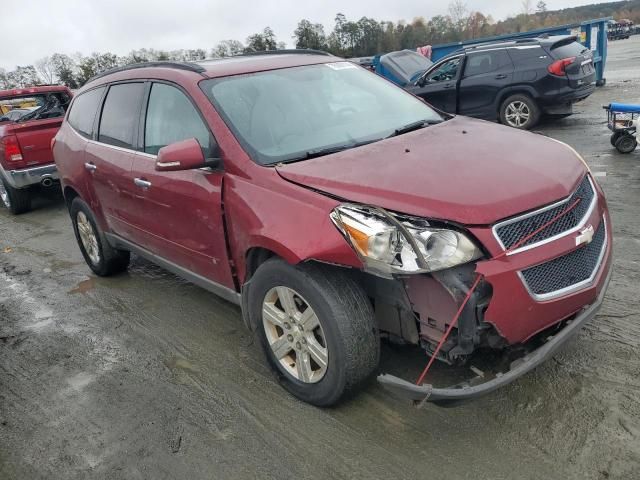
{"points": [[101, 257], [16, 200], [626, 143], [614, 137], [345, 324], [514, 109]]}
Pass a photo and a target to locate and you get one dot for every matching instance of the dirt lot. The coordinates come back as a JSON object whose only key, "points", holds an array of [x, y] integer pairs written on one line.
{"points": [[147, 376]]}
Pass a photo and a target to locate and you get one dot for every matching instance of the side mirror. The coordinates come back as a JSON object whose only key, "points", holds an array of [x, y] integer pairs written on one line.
{"points": [[424, 80], [183, 155]]}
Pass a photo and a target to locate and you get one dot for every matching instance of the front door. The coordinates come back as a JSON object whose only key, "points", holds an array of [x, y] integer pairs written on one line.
{"points": [[439, 86], [179, 214]]}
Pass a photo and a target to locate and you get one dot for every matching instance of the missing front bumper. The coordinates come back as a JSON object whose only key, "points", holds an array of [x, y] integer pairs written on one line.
{"points": [[464, 392]]}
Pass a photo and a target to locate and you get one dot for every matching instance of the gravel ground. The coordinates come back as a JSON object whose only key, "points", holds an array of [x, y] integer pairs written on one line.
{"points": [[147, 376]]}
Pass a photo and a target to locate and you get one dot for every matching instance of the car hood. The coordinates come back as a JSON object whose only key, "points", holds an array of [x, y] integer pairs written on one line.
{"points": [[464, 170]]}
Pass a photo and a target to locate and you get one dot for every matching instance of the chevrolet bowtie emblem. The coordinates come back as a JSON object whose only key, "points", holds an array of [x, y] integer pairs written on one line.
{"points": [[585, 235]]}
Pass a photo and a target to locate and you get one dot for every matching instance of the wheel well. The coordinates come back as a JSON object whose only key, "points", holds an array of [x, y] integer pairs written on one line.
{"points": [[504, 95], [69, 195], [255, 257]]}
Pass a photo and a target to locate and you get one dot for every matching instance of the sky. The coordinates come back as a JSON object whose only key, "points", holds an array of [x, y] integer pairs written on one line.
{"points": [[32, 29]]}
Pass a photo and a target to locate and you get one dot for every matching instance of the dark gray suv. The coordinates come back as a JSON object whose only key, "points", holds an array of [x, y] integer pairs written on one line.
{"points": [[515, 81]]}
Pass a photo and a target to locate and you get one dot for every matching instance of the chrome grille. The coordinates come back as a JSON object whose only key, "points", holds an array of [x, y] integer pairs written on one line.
{"points": [[512, 231], [568, 272]]}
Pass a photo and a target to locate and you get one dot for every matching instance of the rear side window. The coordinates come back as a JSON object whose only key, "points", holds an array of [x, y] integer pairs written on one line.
{"points": [[485, 62], [171, 117], [566, 50], [83, 112], [120, 114]]}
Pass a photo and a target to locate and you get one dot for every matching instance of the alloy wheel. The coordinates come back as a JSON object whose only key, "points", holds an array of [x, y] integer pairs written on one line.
{"points": [[88, 238], [4, 195], [517, 113], [295, 335]]}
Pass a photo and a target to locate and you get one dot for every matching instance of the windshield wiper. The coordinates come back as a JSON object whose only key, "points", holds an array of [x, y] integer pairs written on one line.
{"points": [[321, 152], [410, 127]]}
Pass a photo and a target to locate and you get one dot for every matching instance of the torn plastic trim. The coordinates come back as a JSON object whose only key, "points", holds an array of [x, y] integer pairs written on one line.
{"points": [[463, 392]]}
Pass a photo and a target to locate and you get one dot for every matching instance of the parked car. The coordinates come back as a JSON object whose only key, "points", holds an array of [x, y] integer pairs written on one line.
{"points": [[515, 81], [336, 218], [26, 160]]}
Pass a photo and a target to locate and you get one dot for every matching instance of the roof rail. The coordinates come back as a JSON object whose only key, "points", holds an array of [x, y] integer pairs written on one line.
{"points": [[192, 67], [499, 42], [302, 51]]}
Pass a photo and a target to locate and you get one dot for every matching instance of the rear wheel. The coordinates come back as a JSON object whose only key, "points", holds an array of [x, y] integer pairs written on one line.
{"points": [[519, 111], [626, 143], [101, 257], [16, 200], [316, 327]]}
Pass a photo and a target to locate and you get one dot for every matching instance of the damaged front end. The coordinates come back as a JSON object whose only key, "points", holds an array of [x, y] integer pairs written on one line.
{"points": [[433, 286]]}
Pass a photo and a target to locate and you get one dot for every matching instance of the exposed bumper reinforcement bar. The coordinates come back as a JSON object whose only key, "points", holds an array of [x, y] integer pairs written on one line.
{"points": [[463, 392], [30, 176]]}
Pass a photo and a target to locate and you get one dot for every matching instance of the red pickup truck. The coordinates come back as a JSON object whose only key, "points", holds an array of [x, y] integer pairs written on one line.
{"points": [[29, 119]]}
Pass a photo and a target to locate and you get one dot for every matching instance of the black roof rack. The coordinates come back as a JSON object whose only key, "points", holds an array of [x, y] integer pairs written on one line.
{"points": [[192, 67], [302, 51], [499, 42]]}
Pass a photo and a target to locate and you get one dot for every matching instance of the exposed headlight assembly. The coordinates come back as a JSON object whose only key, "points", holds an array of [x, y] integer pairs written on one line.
{"points": [[389, 243]]}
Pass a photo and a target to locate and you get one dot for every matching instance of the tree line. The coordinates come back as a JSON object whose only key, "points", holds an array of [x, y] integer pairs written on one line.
{"points": [[348, 38]]}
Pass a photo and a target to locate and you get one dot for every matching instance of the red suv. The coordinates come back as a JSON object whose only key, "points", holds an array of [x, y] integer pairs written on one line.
{"points": [[337, 209]]}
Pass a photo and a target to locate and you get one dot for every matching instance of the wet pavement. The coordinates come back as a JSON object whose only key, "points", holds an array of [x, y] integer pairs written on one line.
{"points": [[144, 375]]}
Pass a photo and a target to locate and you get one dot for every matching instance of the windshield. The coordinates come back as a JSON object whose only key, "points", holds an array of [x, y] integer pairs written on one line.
{"points": [[294, 113], [33, 107]]}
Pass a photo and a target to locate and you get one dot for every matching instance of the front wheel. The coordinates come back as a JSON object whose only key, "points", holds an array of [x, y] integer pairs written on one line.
{"points": [[16, 200], [519, 111], [317, 329], [614, 137], [626, 143]]}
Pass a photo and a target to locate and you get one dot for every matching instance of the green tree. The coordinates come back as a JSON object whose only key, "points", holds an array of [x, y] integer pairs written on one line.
{"points": [[259, 42], [23, 77], [94, 64], [310, 35], [64, 68], [4, 80], [228, 48]]}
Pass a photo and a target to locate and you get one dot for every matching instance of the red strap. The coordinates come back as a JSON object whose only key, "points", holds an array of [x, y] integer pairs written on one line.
{"points": [[454, 321]]}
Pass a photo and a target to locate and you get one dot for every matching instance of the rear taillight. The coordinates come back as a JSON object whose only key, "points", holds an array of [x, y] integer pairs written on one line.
{"points": [[11, 149], [558, 67]]}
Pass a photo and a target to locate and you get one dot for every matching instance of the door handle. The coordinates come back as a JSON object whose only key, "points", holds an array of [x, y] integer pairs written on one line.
{"points": [[90, 166], [501, 76], [141, 183], [449, 85]]}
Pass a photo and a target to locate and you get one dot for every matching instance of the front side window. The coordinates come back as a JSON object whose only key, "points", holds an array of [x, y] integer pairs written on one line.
{"points": [[171, 117], [295, 113], [120, 114], [446, 72], [83, 111]]}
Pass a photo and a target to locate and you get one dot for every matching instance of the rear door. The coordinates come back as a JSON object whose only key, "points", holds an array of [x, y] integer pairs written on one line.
{"points": [[439, 85], [110, 157], [485, 74], [178, 215]]}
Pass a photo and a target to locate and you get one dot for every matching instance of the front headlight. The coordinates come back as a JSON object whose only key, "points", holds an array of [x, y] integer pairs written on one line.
{"points": [[389, 243]]}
